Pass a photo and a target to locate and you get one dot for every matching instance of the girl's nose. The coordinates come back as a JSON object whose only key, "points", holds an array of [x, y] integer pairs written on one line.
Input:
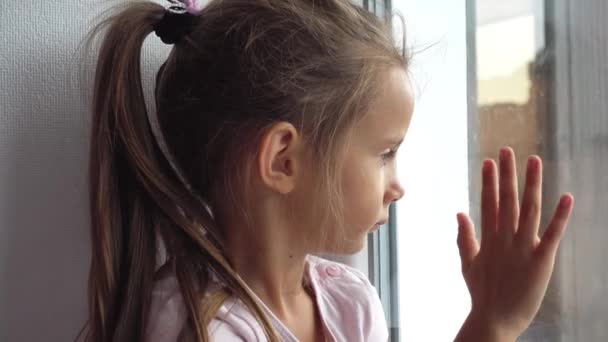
{"points": [[395, 192]]}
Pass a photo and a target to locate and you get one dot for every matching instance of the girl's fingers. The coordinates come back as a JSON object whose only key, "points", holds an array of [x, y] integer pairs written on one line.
{"points": [[467, 244], [529, 218], [552, 236], [489, 203], [508, 212]]}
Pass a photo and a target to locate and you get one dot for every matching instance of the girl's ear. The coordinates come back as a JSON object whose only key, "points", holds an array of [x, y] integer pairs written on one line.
{"points": [[279, 157]]}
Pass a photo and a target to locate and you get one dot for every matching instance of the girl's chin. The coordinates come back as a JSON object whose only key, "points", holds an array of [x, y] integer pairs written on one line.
{"points": [[350, 247]]}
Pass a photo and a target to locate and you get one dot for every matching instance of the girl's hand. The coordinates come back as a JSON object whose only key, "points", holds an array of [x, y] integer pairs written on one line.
{"points": [[508, 275]]}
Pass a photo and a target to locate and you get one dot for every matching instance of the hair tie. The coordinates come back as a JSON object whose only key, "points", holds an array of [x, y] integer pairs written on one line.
{"points": [[177, 20], [193, 7]]}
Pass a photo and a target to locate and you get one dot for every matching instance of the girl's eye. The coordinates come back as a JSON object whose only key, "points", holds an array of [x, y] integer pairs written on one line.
{"points": [[388, 156]]}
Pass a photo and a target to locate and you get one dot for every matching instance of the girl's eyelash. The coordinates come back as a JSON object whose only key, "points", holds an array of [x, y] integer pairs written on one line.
{"points": [[389, 155]]}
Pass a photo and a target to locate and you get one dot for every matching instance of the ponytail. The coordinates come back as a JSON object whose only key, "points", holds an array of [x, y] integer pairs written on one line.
{"points": [[135, 195]]}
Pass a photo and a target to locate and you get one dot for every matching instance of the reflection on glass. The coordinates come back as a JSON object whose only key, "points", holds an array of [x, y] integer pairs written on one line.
{"points": [[542, 82]]}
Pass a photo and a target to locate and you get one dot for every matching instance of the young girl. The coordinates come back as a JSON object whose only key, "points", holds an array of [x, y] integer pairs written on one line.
{"points": [[279, 122]]}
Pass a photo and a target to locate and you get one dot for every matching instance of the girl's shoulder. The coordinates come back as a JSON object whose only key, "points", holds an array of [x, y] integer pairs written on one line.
{"points": [[167, 316], [348, 302]]}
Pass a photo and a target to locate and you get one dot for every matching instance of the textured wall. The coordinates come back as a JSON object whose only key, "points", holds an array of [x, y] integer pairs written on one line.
{"points": [[44, 248]]}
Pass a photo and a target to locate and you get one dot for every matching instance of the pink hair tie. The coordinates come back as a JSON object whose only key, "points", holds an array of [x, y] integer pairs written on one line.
{"points": [[193, 7]]}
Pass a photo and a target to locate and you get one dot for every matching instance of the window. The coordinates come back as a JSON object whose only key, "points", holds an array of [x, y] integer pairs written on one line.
{"points": [[531, 74]]}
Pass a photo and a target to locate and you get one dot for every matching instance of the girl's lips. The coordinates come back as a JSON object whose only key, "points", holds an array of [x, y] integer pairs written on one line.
{"points": [[379, 224], [383, 222]]}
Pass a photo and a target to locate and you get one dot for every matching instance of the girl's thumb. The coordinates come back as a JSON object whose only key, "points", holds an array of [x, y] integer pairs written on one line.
{"points": [[467, 244]]}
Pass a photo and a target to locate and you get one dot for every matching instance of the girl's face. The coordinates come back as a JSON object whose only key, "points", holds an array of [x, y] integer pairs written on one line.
{"points": [[369, 178]]}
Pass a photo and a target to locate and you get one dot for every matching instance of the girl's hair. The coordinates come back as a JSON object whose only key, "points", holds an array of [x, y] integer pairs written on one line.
{"points": [[244, 66]]}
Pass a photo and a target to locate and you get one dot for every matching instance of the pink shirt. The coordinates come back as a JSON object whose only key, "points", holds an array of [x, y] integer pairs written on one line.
{"points": [[348, 304]]}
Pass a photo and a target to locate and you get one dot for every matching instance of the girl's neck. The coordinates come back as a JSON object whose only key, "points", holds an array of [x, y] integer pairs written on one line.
{"points": [[272, 271]]}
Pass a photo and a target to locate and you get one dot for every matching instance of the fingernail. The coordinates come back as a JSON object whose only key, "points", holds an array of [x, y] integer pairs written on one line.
{"points": [[485, 165], [459, 219], [532, 162], [504, 153], [566, 201]]}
